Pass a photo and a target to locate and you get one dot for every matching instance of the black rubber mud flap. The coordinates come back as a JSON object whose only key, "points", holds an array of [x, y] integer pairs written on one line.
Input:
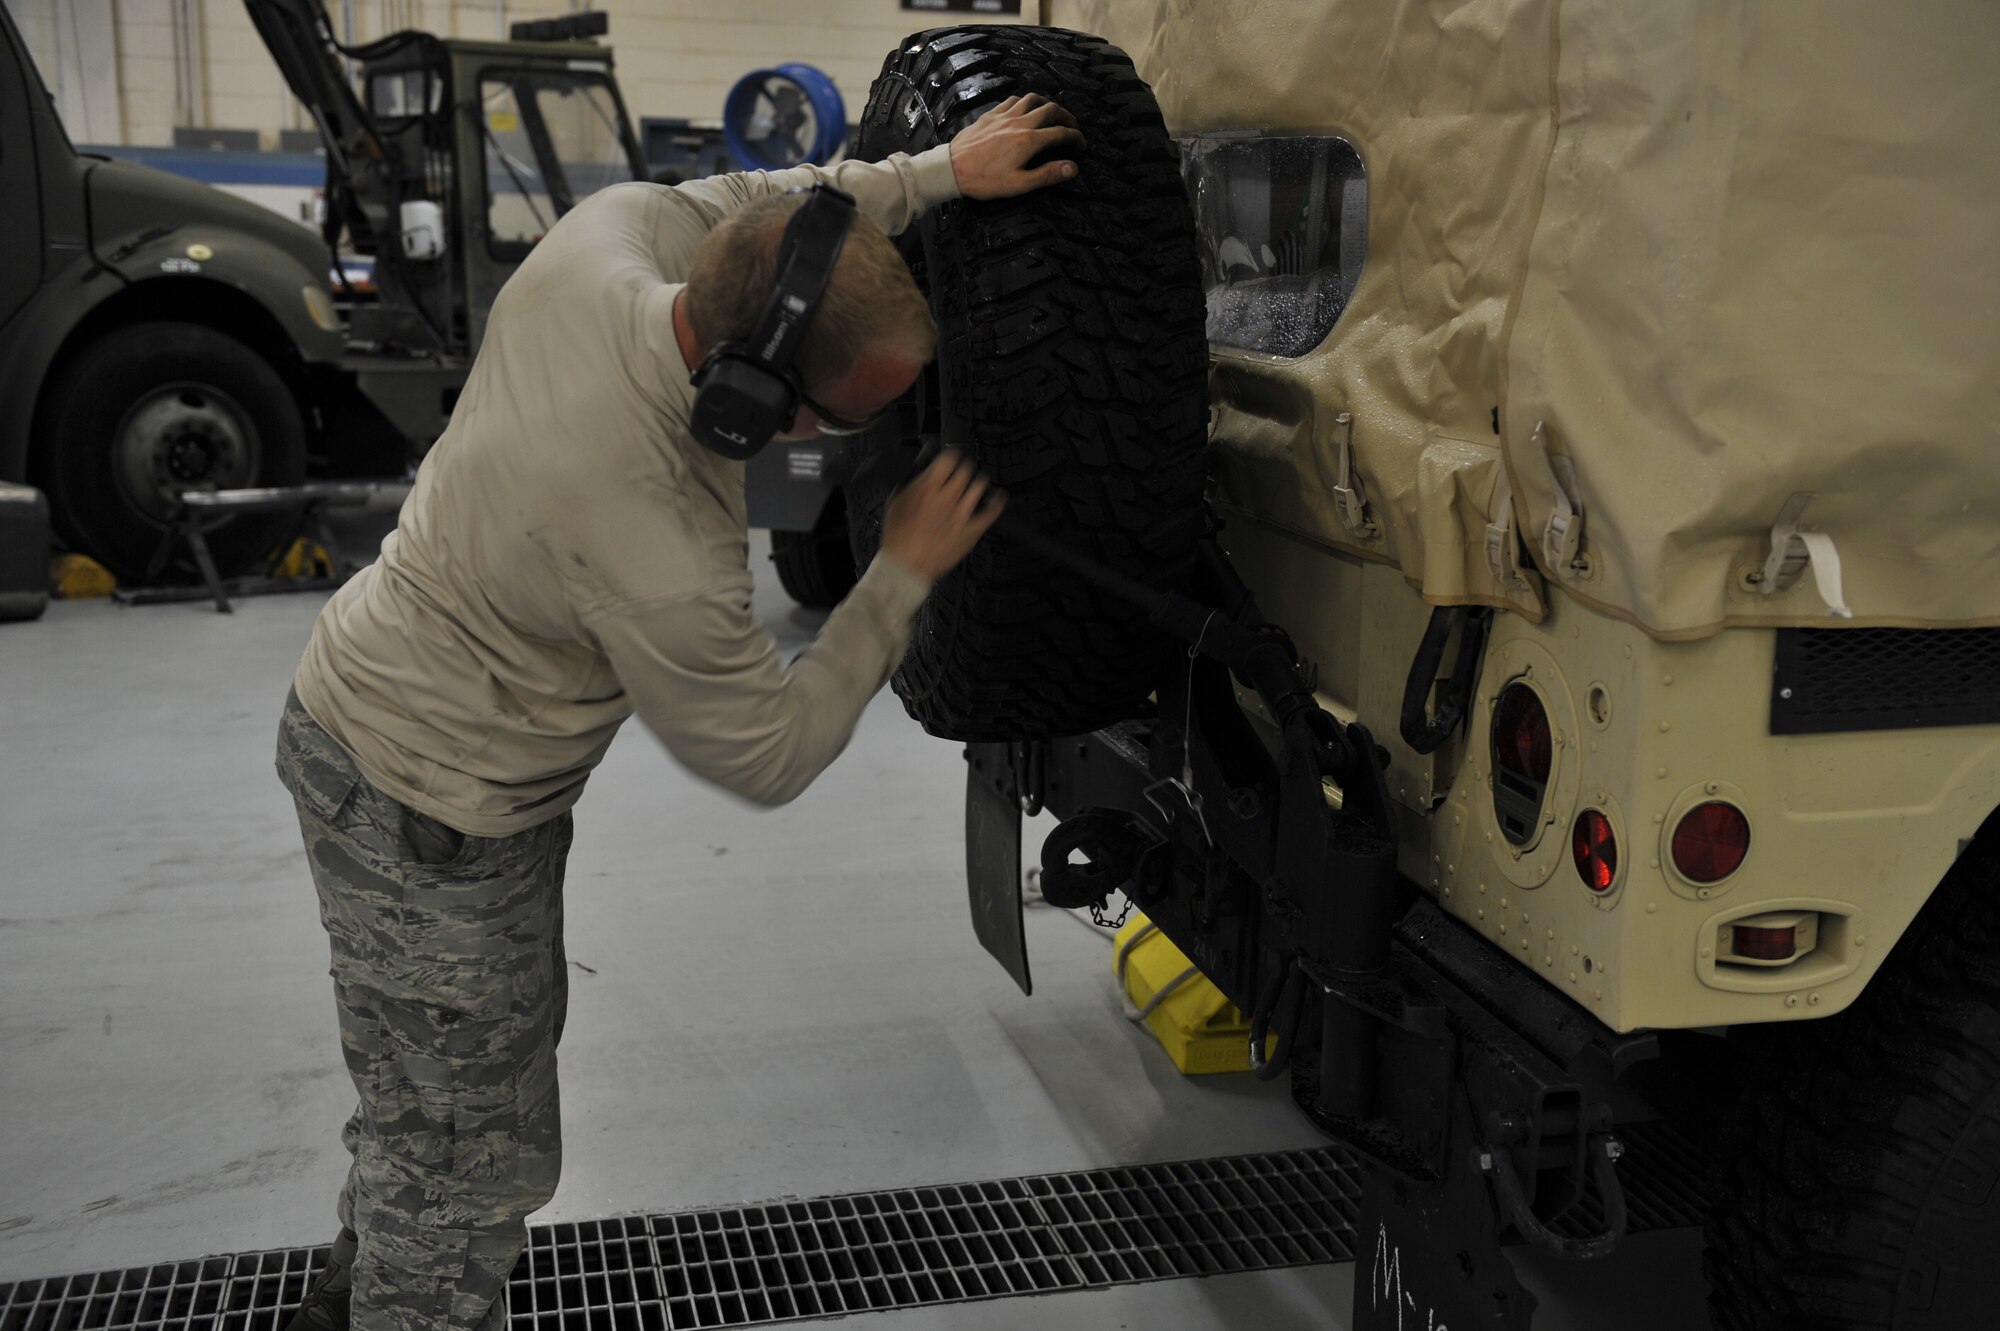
{"points": [[993, 861], [1429, 1256]]}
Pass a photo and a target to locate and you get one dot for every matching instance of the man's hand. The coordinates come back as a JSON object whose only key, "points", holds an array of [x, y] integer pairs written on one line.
{"points": [[990, 156], [935, 520]]}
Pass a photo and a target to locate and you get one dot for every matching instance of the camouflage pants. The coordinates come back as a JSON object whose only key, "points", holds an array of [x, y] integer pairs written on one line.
{"points": [[449, 975]]}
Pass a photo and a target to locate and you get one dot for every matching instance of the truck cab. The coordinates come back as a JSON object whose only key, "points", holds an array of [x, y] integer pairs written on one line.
{"points": [[170, 336]]}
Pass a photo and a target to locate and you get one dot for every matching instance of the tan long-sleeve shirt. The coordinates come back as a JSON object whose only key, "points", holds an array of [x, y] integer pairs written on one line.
{"points": [[570, 555]]}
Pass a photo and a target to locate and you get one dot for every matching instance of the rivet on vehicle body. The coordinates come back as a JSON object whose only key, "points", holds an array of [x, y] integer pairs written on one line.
{"points": [[1597, 996], [1665, 726], [1517, 852], [1548, 959], [1707, 952], [1860, 940], [1524, 948], [1653, 907], [1812, 999], [1666, 679], [1572, 949], [1479, 914], [1703, 894], [1655, 862], [1784, 693], [1660, 772], [1628, 651], [1451, 870], [1482, 889], [1712, 787], [1503, 903], [1503, 926], [1791, 1000], [1572, 977]]}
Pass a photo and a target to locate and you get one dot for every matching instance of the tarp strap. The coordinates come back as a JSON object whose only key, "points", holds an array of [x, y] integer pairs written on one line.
{"points": [[1348, 497], [1562, 539], [1502, 552], [1793, 550]]}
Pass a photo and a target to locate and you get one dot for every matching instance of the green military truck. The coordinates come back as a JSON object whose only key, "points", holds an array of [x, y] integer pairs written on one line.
{"points": [[157, 335], [1504, 568]]}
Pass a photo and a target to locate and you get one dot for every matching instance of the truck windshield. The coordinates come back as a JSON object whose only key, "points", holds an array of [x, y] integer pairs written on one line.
{"points": [[551, 139]]}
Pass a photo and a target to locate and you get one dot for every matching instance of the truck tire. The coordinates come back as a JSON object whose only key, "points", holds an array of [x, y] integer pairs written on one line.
{"points": [[1072, 366], [154, 407], [816, 568], [1860, 1179]]}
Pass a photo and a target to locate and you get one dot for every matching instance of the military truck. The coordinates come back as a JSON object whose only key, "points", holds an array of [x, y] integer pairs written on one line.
{"points": [[1503, 567], [167, 336]]}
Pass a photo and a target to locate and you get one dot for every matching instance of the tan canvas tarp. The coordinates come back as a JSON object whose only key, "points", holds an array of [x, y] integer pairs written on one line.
{"points": [[1723, 254]]}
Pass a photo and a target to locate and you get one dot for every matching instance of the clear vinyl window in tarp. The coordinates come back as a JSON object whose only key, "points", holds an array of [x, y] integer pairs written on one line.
{"points": [[1284, 232]]}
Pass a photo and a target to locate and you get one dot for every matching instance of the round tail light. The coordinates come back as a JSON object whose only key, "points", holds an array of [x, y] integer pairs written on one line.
{"points": [[1710, 842], [1522, 757], [1594, 847], [1521, 734]]}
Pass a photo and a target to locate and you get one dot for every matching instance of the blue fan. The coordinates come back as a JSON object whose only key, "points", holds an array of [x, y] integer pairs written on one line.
{"points": [[787, 116]]}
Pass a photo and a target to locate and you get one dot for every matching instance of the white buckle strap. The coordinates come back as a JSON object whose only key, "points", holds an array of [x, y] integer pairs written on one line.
{"points": [[1792, 551], [1349, 500]]}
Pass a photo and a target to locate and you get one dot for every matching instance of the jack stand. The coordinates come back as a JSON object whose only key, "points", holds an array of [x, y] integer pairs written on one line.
{"points": [[308, 503]]}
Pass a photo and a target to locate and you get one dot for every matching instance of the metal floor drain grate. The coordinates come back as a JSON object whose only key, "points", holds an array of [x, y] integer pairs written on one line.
{"points": [[862, 1252]]}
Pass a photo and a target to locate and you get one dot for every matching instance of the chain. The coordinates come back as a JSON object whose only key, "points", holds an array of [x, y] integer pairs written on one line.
{"points": [[1097, 915]]}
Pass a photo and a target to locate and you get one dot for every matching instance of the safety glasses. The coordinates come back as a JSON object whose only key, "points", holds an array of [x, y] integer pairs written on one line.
{"points": [[829, 423]]}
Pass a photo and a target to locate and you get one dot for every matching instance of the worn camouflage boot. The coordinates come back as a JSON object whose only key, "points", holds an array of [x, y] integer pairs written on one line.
{"points": [[325, 1307]]}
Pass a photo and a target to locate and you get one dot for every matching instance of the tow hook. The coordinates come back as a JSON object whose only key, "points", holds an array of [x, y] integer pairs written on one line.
{"points": [[1600, 1152]]}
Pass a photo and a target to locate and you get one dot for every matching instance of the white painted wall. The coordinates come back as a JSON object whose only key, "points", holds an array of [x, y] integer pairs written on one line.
{"points": [[675, 57]]}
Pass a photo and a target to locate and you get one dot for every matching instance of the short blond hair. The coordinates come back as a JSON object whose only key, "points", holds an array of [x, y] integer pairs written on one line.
{"points": [[871, 304]]}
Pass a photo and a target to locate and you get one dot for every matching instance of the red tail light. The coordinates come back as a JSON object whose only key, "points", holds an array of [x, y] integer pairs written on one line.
{"points": [[1758, 944], [1521, 733], [1522, 756], [1594, 846], [1711, 841]]}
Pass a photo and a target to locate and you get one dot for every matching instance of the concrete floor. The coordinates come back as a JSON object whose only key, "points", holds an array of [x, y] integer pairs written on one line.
{"points": [[763, 1003]]}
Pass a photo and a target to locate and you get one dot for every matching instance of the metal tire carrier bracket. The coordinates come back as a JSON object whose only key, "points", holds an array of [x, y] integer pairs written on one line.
{"points": [[1479, 1102]]}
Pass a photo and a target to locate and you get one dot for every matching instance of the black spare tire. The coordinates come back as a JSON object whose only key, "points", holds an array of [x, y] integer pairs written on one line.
{"points": [[1072, 365]]}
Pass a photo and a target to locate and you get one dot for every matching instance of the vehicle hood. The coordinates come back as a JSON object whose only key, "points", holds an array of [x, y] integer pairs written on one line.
{"points": [[127, 200]]}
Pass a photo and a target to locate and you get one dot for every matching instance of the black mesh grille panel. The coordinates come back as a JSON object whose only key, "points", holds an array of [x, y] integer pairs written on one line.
{"points": [[1884, 679]]}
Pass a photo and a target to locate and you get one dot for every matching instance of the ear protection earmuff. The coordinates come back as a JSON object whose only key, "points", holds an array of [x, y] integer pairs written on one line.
{"points": [[746, 390]]}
